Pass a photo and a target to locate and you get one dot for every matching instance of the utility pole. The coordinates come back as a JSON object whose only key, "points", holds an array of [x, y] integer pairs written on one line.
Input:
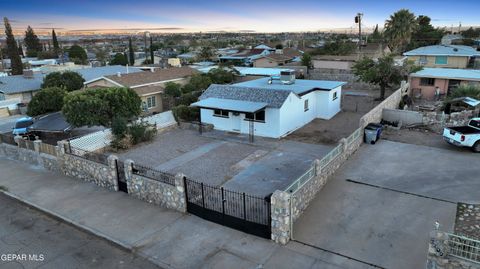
{"points": [[358, 19]]}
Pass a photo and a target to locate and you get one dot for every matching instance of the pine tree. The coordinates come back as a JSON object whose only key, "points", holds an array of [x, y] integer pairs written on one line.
{"points": [[131, 53], [152, 56], [20, 49], [12, 50], [32, 42], [55, 41]]}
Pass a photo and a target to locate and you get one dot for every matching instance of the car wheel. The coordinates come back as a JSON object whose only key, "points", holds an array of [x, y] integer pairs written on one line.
{"points": [[476, 147]]}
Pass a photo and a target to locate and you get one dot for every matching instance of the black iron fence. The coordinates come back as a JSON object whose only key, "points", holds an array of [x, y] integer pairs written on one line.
{"points": [[237, 210], [88, 155], [7, 139], [154, 174]]}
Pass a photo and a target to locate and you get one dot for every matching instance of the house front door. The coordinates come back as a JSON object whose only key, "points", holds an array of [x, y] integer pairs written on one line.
{"points": [[236, 122]]}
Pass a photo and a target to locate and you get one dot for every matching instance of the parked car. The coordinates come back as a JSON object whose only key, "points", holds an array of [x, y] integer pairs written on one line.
{"points": [[21, 126], [464, 136]]}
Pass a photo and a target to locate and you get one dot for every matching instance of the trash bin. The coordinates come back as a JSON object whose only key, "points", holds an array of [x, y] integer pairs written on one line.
{"points": [[372, 132]]}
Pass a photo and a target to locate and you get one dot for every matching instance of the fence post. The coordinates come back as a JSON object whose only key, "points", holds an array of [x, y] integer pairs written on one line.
{"points": [[61, 154], [112, 165], [223, 202], [181, 196], [244, 208], [203, 196], [280, 214], [127, 166], [36, 147]]}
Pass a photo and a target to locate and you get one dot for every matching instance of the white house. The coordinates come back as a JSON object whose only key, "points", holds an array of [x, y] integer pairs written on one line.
{"points": [[273, 107]]}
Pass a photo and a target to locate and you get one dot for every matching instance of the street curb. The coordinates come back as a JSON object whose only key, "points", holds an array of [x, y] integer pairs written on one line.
{"points": [[73, 223]]}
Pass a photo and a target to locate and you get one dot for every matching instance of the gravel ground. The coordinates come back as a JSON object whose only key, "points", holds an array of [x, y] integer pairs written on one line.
{"points": [[164, 147], [215, 167]]}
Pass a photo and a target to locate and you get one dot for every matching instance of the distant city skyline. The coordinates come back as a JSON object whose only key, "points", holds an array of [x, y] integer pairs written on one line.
{"points": [[231, 16]]}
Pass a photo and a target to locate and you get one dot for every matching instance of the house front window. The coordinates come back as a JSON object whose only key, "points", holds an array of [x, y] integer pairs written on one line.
{"points": [[423, 60], [220, 113], [427, 82], [151, 102], [441, 60], [305, 106], [259, 116]]}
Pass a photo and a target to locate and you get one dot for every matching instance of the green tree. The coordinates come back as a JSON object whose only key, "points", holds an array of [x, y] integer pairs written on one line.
{"points": [[376, 35], [425, 34], [152, 55], [12, 49], [46, 101], [173, 89], [32, 43], [307, 60], [20, 50], [399, 29], [337, 47], [466, 91], [77, 54], [471, 33], [198, 82], [383, 72], [56, 47], [205, 54], [131, 52], [68, 80], [119, 59], [100, 107], [221, 76]]}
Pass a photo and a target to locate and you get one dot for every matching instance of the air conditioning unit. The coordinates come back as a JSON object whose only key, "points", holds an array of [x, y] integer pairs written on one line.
{"points": [[287, 77]]}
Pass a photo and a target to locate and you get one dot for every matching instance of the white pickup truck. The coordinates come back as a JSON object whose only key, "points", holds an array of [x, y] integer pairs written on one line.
{"points": [[464, 136]]}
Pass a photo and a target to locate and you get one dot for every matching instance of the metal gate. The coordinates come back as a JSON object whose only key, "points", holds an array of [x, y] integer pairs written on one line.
{"points": [[121, 178], [237, 210]]}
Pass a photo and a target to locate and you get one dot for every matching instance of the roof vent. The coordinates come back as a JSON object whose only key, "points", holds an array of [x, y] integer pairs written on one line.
{"points": [[455, 49], [119, 74], [287, 77]]}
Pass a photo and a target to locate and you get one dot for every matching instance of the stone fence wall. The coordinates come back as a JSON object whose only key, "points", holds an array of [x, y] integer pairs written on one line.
{"points": [[338, 75], [440, 119], [392, 102], [288, 207], [439, 257], [90, 171], [156, 192], [33, 157]]}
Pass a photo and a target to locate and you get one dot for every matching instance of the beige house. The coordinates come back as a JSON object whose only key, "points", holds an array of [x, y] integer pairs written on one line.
{"points": [[280, 57], [149, 85], [444, 56]]}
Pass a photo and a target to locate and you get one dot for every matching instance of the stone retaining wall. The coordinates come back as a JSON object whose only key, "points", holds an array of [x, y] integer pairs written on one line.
{"points": [[438, 254], [156, 192], [287, 208], [33, 157], [438, 120], [90, 171]]}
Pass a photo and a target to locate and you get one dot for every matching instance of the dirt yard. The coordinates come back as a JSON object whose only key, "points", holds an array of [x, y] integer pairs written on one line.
{"points": [[342, 125]]}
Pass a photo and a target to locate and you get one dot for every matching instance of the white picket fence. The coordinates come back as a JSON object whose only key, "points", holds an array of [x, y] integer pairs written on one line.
{"points": [[101, 139]]}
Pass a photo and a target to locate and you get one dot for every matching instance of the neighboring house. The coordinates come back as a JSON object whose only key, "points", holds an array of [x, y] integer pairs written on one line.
{"points": [[444, 56], [149, 85], [244, 57], [270, 107], [23, 87], [281, 57], [449, 38], [424, 83]]}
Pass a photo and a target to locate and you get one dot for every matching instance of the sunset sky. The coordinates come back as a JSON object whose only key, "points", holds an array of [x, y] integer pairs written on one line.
{"points": [[225, 15]]}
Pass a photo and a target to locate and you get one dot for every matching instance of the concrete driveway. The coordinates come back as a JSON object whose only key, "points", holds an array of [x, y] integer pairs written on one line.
{"points": [[432, 172], [384, 215]]}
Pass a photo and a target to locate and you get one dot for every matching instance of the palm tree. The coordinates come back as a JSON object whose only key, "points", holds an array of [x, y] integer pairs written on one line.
{"points": [[399, 29]]}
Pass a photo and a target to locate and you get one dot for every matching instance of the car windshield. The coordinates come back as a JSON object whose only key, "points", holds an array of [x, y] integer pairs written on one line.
{"points": [[475, 123], [23, 124]]}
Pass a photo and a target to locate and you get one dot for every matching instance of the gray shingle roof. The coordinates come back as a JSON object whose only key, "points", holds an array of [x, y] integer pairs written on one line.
{"points": [[274, 98], [19, 84]]}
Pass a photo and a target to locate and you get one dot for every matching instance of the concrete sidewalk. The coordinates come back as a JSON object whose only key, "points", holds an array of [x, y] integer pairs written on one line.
{"points": [[167, 238]]}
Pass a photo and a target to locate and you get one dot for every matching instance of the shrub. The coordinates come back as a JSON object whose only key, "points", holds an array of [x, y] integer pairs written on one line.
{"points": [[45, 101], [186, 113], [119, 127], [173, 89], [126, 136], [187, 99]]}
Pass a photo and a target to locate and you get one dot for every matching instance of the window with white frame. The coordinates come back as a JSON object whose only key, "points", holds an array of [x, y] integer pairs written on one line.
{"points": [[259, 116], [151, 102], [305, 105]]}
